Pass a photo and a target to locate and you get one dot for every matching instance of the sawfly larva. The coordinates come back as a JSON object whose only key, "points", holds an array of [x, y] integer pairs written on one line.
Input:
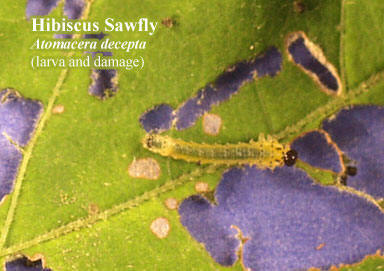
{"points": [[264, 153]]}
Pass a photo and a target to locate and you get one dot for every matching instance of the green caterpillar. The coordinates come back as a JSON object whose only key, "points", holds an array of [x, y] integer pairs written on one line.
{"points": [[264, 153]]}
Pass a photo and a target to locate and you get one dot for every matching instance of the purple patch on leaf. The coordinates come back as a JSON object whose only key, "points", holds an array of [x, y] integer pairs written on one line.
{"points": [[226, 85], [98, 36], [94, 54], [157, 119], [18, 119], [18, 116], [195, 107], [288, 220], [63, 36], [104, 83], [314, 149], [73, 9], [223, 88], [25, 264], [359, 132], [303, 56], [230, 81], [10, 159], [40, 7]]}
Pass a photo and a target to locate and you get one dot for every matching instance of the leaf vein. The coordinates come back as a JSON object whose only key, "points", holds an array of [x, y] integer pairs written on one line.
{"points": [[90, 220]]}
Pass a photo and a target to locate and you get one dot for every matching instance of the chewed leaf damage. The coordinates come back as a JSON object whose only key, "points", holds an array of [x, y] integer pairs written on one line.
{"points": [[287, 219], [98, 36], [358, 132], [10, 159], [23, 263], [316, 149], [158, 119], [18, 119], [73, 9], [104, 83], [40, 7], [221, 90], [310, 58]]}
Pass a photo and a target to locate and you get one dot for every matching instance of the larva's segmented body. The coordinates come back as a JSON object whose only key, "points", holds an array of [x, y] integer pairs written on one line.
{"points": [[264, 153]]}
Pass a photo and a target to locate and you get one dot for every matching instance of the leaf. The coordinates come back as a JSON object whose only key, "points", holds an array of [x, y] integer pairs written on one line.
{"points": [[76, 204], [226, 85]]}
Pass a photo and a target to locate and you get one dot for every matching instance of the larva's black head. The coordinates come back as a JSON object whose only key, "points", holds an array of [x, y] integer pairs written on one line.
{"points": [[153, 141], [149, 141], [290, 158]]}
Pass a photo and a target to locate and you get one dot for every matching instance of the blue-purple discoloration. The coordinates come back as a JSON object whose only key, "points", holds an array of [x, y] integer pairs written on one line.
{"points": [[18, 119], [24, 264], [286, 217], [94, 54], [303, 57], [98, 36], [10, 159], [40, 7], [157, 119], [195, 107], [63, 36], [223, 88], [73, 9], [226, 85], [314, 149], [230, 81], [104, 83], [18, 116], [359, 133]]}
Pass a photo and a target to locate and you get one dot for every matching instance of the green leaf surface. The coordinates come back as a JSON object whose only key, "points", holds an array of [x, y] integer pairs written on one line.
{"points": [[80, 158]]}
